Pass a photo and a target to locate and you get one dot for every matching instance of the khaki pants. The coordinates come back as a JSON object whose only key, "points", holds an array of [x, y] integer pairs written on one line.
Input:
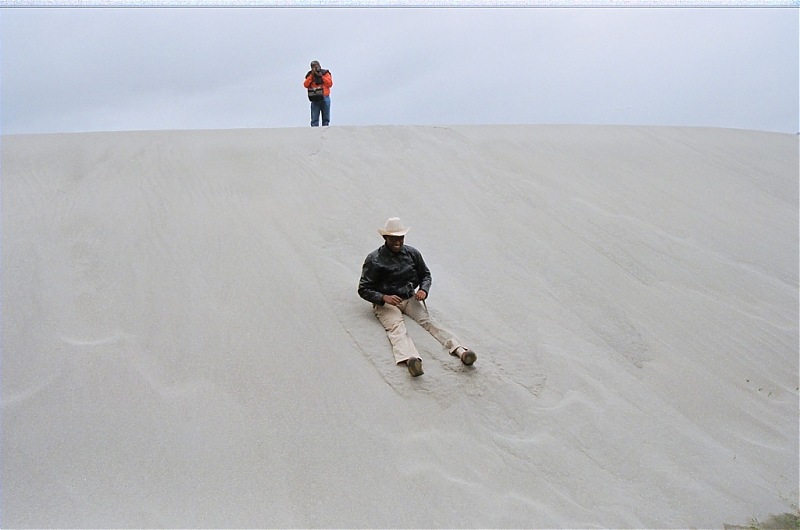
{"points": [[391, 317]]}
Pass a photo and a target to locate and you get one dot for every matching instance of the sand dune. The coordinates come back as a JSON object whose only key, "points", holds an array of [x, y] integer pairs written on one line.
{"points": [[183, 345]]}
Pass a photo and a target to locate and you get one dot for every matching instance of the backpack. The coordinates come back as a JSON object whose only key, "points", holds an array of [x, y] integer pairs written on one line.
{"points": [[315, 94]]}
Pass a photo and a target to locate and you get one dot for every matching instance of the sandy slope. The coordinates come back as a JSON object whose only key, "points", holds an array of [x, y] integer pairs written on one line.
{"points": [[182, 343]]}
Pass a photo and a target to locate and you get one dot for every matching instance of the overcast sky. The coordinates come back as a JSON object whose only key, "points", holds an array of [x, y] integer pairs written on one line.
{"points": [[78, 69]]}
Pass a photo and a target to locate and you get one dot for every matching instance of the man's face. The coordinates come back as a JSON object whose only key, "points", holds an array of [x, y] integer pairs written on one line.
{"points": [[395, 243]]}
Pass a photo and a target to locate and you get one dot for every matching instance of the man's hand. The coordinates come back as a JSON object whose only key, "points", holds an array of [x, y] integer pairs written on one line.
{"points": [[392, 299], [420, 295]]}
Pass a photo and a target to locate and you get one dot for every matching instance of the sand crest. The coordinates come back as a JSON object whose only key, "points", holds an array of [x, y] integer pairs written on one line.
{"points": [[183, 346]]}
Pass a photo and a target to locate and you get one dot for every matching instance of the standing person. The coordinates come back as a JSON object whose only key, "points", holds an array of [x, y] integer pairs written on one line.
{"points": [[319, 82], [389, 278]]}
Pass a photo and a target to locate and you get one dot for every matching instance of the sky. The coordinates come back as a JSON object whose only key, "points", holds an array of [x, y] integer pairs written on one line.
{"points": [[74, 69]]}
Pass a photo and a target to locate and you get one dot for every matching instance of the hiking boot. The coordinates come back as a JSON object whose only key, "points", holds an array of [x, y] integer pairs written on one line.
{"points": [[468, 357], [415, 366]]}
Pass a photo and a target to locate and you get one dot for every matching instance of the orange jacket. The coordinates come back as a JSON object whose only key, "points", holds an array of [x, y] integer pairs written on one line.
{"points": [[327, 82]]}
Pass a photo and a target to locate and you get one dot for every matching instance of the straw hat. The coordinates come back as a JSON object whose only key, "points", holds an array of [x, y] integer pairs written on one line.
{"points": [[393, 227]]}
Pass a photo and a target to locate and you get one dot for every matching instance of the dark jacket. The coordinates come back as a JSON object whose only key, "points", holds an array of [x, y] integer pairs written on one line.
{"points": [[385, 272]]}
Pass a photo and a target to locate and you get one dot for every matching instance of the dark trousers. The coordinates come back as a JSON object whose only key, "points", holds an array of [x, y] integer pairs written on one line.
{"points": [[321, 107]]}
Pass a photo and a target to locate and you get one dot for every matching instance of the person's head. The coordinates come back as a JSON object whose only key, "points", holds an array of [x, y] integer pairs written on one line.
{"points": [[395, 243], [315, 65], [394, 233]]}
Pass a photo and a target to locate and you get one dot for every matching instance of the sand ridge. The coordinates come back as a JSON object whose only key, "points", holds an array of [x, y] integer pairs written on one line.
{"points": [[183, 345]]}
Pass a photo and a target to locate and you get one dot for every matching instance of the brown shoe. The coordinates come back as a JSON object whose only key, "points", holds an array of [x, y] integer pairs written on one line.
{"points": [[468, 357], [415, 366]]}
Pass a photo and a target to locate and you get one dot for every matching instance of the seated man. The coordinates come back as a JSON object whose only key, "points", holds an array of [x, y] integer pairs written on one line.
{"points": [[389, 278]]}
